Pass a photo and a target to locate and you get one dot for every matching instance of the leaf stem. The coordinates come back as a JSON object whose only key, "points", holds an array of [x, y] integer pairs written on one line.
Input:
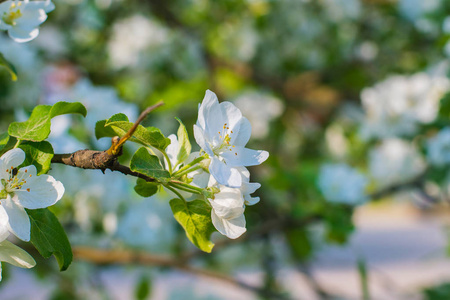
{"points": [[17, 143], [175, 192]]}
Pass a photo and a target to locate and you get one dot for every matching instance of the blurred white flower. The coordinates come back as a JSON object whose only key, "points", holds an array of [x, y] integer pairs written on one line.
{"points": [[24, 189], [260, 109], [22, 18], [439, 148], [222, 132], [132, 35], [395, 161], [341, 183], [396, 106]]}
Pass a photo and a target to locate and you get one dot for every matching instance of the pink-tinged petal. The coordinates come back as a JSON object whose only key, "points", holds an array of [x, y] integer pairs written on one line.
{"points": [[16, 256], [19, 222], [39, 191], [223, 174], [12, 158], [199, 135], [21, 36], [243, 135], [233, 228], [240, 156]]}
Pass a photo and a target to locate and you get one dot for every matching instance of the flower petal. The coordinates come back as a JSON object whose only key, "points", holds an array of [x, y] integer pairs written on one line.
{"points": [[4, 232], [232, 115], [243, 135], [12, 158], [200, 138], [233, 228], [241, 156], [210, 104], [19, 222], [224, 174], [16, 256], [39, 191], [20, 35]]}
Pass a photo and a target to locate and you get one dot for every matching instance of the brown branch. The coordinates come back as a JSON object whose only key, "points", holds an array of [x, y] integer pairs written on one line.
{"points": [[124, 257]]}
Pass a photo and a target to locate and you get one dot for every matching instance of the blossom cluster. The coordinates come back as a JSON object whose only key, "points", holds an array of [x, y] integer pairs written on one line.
{"points": [[22, 18], [22, 189]]}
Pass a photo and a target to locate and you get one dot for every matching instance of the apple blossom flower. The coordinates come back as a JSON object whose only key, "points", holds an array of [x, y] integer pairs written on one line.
{"points": [[341, 183], [24, 189], [222, 132], [22, 18], [227, 212]]}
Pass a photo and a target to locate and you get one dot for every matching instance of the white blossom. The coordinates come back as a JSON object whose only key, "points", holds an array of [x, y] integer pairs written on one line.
{"points": [[439, 148], [24, 189], [222, 132], [394, 161], [396, 106], [341, 183], [22, 18]]}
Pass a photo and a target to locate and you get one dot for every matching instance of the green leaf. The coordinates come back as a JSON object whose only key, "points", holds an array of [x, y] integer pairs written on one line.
{"points": [[195, 218], [145, 188], [119, 125], [143, 288], [49, 238], [39, 154], [184, 144], [64, 108], [37, 127], [145, 163], [4, 139], [11, 69], [102, 131]]}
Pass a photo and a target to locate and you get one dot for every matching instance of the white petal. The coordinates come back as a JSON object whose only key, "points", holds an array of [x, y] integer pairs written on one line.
{"points": [[224, 174], [4, 220], [232, 115], [12, 158], [21, 36], [19, 222], [172, 150], [250, 200], [240, 156], [233, 228], [243, 135], [16, 256], [43, 191], [30, 19], [228, 203], [200, 138], [209, 103]]}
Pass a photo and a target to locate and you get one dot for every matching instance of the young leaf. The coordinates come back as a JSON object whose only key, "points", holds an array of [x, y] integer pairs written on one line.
{"points": [[184, 144], [9, 67], [36, 128], [102, 131], [119, 125], [195, 218], [145, 188], [4, 138], [49, 238], [64, 108], [38, 154], [145, 163]]}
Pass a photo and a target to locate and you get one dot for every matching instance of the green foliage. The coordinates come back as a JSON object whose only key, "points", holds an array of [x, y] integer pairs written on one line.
{"points": [[11, 69], [439, 292], [195, 218], [299, 243], [4, 139], [145, 188], [145, 163], [119, 124], [339, 224], [37, 127], [143, 288], [184, 144], [49, 238], [38, 154]]}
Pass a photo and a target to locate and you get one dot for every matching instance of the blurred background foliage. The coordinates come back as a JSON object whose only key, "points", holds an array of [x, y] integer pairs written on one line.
{"points": [[296, 69]]}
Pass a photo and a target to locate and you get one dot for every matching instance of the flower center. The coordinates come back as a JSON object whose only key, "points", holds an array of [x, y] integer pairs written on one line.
{"points": [[14, 13], [224, 141], [13, 182]]}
